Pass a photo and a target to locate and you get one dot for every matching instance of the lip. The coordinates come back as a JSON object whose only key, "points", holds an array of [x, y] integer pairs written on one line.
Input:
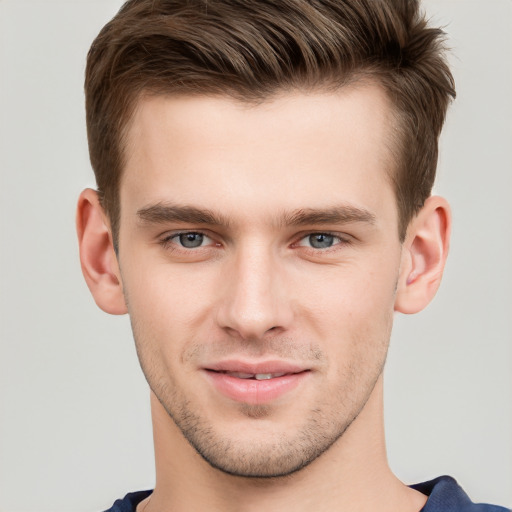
{"points": [[252, 391], [257, 367]]}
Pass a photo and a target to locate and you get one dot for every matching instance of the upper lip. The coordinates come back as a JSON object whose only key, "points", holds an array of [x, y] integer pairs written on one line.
{"points": [[256, 367]]}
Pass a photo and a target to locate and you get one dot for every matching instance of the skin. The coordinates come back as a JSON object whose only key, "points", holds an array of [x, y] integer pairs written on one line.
{"points": [[259, 287]]}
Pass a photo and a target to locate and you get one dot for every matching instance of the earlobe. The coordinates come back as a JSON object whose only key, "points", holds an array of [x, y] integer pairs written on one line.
{"points": [[97, 255], [424, 256]]}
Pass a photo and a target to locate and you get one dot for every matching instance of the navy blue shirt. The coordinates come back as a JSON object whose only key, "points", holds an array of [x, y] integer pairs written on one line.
{"points": [[444, 495]]}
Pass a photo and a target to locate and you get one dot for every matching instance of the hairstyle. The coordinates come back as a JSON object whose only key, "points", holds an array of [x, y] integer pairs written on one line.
{"points": [[251, 49]]}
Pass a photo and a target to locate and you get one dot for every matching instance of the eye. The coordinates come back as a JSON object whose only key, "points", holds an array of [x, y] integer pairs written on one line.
{"points": [[189, 240], [320, 240]]}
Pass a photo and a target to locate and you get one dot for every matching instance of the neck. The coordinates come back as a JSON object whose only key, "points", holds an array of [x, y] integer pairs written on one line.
{"points": [[353, 474]]}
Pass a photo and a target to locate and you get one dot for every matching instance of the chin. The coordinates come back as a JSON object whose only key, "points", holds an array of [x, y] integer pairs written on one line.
{"points": [[257, 447]]}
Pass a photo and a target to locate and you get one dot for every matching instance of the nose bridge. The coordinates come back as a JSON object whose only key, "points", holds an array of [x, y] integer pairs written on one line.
{"points": [[254, 300]]}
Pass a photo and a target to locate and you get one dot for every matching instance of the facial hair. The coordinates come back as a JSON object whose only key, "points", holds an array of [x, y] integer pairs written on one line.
{"points": [[282, 453]]}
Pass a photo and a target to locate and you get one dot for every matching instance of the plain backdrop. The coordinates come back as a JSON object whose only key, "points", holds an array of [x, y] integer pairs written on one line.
{"points": [[75, 429]]}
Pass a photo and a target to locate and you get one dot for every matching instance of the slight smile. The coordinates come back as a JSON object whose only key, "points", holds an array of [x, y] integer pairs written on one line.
{"points": [[255, 383]]}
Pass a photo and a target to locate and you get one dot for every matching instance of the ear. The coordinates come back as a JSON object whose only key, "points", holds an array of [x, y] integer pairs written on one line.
{"points": [[97, 256], [424, 255]]}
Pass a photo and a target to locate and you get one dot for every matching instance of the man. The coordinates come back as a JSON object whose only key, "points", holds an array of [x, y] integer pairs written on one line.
{"points": [[264, 174]]}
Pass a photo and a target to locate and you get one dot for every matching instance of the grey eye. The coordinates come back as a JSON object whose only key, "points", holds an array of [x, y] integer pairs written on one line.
{"points": [[191, 240], [321, 240]]}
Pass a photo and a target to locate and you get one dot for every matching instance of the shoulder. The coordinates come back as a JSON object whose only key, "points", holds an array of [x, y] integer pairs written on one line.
{"points": [[129, 502], [445, 495]]}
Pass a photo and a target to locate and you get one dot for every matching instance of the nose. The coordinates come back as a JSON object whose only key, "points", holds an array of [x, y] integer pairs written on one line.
{"points": [[254, 299]]}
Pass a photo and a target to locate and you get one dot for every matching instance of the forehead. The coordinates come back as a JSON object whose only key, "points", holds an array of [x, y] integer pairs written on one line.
{"points": [[297, 150]]}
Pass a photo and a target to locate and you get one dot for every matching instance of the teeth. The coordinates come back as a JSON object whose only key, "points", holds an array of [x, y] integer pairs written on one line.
{"points": [[257, 376], [263, 376]]}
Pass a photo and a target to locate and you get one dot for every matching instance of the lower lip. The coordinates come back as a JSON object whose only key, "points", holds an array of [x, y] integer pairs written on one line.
{"points": [[252, 391]]}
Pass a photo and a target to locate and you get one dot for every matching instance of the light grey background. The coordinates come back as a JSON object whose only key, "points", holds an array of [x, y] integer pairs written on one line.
{"points": [[75, 429]]}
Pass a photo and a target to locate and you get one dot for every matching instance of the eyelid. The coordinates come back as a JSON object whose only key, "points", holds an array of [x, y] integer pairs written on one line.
{"points": [[166, 239], [342, 237]]}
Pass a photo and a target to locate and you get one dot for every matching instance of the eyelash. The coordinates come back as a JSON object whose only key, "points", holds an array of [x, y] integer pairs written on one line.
{"points": [[341, 241], [167, 241]]}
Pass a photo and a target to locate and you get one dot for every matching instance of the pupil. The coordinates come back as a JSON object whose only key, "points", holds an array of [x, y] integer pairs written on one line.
{"points": [[321, 241], [191, 239]]}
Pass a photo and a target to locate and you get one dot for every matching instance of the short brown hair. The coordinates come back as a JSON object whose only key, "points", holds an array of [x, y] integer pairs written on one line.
{"points": [[251, 49]]}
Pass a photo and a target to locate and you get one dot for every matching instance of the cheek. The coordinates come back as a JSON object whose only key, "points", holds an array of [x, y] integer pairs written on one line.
{"points": [[167, 304], [351, 293], [352, 310], [162, 319]]}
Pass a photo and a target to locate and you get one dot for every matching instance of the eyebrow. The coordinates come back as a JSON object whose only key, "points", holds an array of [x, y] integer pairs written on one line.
{"points": [[336, 215], [162, 213]]}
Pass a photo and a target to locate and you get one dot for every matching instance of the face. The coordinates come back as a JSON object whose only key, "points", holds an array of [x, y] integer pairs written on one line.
{"points": [[259, 256]]}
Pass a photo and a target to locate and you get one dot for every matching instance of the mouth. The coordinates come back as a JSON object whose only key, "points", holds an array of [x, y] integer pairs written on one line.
{"points": [[255, 384], [255, 376]]}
